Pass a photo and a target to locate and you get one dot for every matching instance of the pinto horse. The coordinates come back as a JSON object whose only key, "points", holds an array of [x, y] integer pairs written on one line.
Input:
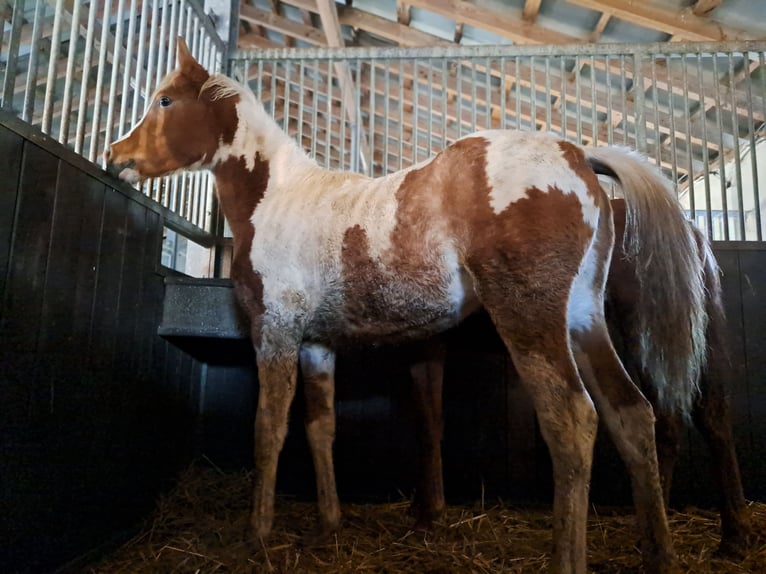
{"points": [[647, 323], [515, 223]]}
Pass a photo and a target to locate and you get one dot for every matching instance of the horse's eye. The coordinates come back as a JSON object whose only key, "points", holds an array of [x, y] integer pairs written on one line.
{"points": [[164, 101]]}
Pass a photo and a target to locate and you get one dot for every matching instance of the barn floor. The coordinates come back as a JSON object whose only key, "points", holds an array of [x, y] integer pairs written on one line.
{"points": [[199, 527]]}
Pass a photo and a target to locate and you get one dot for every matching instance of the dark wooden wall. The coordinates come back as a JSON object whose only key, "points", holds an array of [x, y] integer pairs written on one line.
{"points": [[97, 411]]}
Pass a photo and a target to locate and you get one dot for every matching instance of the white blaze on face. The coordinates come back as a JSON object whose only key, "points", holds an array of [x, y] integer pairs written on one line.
{"points": [[519, 161]]}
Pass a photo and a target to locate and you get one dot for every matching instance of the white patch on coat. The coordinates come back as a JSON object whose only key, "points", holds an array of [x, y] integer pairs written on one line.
{"points": [[519, 161], [583, 303], [317, 359]]}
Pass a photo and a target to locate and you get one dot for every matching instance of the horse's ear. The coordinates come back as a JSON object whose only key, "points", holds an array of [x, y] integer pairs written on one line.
{"points": [[188, 65]]}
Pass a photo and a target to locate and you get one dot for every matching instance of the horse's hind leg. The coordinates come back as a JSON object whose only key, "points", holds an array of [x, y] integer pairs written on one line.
{"points": [[427, 371], [630, 420], [712, 417], [318, 374], [532, 323]]}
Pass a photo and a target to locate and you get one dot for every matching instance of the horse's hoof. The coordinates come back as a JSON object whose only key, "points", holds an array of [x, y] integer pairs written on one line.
{"points": [[320, 536]]}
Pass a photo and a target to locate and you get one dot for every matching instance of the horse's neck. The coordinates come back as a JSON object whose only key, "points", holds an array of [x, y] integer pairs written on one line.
{"points": [[260, 157]]}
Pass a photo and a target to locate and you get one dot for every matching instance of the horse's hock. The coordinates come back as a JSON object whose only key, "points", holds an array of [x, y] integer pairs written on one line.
{"points": [[124, 355]]}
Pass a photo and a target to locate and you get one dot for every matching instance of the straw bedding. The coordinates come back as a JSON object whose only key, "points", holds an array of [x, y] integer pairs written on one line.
{"points": [[200, 527]]}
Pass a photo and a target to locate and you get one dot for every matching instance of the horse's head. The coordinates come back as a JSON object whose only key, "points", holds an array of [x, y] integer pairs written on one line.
{"points": [[182, 128]]}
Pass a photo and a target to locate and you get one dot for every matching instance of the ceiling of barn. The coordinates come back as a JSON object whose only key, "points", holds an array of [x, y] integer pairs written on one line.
{"points": [[305, 23]]}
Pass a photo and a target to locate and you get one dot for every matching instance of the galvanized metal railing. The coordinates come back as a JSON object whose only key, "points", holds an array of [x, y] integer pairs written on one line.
{"points": [[84, 71], [696, 110]]}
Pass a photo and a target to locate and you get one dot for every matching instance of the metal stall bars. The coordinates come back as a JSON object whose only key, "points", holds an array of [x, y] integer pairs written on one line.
{"points": [[83, 72], [696, 110]]}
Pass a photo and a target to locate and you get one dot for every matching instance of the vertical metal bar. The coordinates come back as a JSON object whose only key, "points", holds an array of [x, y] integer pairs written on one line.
{"points": [[548, 110], [473, 96], [563, 99], [314, 106], [503, 93], [98, 99], [328, 134], [371, 121], [301, 92], [578, 98], [705, 151], [429, 123], [149, 89], [126, 75], [444, 102], [639, 101], [624, 98], [593, 101], [66, 106], [175, 22], [459, 99], [609, 103], [50, 85], [688, 133], [753, 150], [163, 36], [656, 102], [738, 149], [82, 113], [140, 66], [34, 50], [115, 70], [401, 113], [387, 115], [14, 40], [415, 110], [488, 90], [517, 87], [532, 94], [288, 81], [721, 149], [673, 148]]}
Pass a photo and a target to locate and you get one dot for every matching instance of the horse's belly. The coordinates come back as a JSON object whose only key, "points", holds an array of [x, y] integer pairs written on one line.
{"points": [[380, 309]]}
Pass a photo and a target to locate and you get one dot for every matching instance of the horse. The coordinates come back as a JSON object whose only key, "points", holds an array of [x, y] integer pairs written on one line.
{"points": [[644, 324], [514, 223]]}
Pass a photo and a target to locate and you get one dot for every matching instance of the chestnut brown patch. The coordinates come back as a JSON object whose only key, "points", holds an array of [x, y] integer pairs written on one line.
{"points": [[232, 176]]}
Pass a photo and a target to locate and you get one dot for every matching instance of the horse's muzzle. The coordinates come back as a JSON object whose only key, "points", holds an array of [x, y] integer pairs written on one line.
{"points": [[118, 169]]}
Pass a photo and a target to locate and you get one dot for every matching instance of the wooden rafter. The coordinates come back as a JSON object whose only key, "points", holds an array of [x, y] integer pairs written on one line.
{"points": [[531, 8], [655, 16], [705, 7]]}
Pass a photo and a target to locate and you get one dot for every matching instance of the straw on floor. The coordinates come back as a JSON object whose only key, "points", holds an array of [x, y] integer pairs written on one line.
{"points": [[201, 525]]}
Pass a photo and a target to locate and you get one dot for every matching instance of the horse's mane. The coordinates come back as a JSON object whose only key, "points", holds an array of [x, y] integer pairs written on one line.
{"points": [[221, 87]]}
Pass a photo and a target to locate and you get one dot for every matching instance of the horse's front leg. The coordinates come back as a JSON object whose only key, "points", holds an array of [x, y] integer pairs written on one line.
{"points": [[318, 372], [427, 370], [277, 374]]}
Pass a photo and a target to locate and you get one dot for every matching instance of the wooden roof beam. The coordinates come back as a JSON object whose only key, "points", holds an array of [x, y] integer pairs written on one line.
{"points": [[505, 24], [284, 26], [531, 9], [654, 16], [705, 7]]}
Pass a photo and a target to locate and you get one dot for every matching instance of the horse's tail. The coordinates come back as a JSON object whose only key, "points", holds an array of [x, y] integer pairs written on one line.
{"points": [[671, 310], [718, 363]]}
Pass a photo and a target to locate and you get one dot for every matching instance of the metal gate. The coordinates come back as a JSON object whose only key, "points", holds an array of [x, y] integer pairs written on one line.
{"points": [[696, 110]]}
